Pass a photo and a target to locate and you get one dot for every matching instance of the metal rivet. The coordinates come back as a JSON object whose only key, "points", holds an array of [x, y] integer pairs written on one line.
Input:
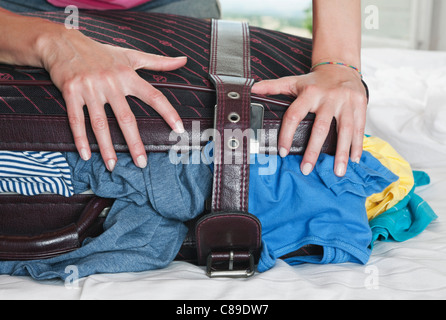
{"points": [[234, 95], [233, 143], [234, 117]]}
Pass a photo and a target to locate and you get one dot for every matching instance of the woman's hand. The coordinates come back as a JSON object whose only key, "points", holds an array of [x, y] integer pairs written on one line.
{"points": [[328, 91], [93, 74]]}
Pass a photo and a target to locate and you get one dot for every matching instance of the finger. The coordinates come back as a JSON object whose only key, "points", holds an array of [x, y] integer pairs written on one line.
{"points": [[76, 119], [319, 133], [357, 145], [345, 133], [358, 133], [158, 102], [142, 60], [129, 127], [296, 112], [285, 85], [101, 130]]}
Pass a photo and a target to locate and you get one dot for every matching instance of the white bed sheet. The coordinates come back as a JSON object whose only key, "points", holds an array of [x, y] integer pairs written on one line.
{"points": [[408, 109]]}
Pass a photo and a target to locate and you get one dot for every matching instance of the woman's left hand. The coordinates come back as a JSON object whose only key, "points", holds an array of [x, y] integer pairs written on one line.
{"points": [[328, 91]]}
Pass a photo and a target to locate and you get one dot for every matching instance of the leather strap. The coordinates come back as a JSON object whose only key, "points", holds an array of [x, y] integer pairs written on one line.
{"points": [[230, 71], [229, 230]]}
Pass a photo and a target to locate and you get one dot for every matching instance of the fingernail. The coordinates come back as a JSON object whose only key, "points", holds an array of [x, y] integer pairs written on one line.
{"points": [[340, 170], [356, 160], [306, 169], [141, 161], [179, 128], [111, 165], [283, 152], [85, 154]]}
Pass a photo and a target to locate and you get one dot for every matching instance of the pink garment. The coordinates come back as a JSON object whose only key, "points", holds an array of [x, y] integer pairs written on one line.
{"points": [[99, 4]]}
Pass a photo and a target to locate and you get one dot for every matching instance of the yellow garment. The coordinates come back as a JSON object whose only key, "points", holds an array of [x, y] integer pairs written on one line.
{"points": [[387, 155]]}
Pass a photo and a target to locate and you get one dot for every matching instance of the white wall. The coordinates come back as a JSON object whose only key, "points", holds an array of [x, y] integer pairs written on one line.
{"points": [[438, 34]]}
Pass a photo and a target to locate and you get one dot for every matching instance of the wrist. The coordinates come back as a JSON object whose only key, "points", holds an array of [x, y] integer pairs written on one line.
{"points": [[350, 56], [356, 70], [48, 41]]}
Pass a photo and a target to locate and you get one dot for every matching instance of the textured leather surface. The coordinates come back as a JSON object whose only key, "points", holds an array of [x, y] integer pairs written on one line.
{"points": [[227, 231], [46, 226], [52, 133]]}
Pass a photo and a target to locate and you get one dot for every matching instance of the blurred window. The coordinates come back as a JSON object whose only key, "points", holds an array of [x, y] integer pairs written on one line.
{"points": [[289, 16], [386, 23], [397, 23]]}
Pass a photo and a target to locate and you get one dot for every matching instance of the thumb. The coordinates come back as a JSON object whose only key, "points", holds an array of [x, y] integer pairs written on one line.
{"points": [[286, 86], [142, 60]]}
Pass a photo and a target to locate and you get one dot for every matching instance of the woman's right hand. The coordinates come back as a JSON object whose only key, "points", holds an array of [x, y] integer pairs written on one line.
{"points": [[93, 74], [329, 92]]}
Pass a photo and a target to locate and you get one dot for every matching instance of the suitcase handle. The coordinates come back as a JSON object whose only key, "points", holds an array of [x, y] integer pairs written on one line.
{"points": [[55, 242]]}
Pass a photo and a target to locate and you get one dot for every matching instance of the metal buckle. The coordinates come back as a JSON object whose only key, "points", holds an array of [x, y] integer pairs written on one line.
{"points": [[230, 273]]}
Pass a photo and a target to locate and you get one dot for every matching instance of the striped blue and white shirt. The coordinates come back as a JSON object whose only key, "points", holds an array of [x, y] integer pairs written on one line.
{"points": [[33, 173]]}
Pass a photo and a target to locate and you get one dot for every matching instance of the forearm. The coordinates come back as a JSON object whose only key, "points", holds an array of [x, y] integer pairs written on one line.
{"points": [[22, 39], [337, 31]]}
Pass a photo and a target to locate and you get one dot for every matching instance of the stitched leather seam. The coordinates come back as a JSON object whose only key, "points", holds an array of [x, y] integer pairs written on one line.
{"points": [[221, 129], [245, 147]]}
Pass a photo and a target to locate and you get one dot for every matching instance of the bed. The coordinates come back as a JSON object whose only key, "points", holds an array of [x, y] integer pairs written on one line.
{"points": [[407, 109]]}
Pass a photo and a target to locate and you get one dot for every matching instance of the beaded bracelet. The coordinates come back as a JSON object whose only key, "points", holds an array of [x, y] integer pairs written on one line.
{"points": [[339, 64]]}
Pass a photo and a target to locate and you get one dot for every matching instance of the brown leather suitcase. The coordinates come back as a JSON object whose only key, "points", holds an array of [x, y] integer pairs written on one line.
{"points": [[225, 58]]}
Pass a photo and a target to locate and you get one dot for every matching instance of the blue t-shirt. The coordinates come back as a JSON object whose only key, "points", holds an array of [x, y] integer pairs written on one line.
{"points": [[319, 209]]}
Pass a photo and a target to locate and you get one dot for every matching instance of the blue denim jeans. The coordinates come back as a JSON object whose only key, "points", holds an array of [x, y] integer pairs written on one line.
{"points": [[144, 229], [191, 8]]}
